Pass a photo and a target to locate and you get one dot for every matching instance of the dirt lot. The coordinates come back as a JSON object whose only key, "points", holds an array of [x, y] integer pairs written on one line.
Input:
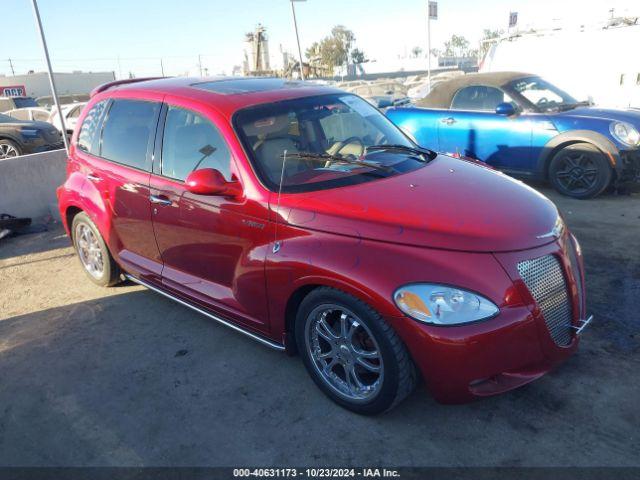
{"points": [[122, 376]]}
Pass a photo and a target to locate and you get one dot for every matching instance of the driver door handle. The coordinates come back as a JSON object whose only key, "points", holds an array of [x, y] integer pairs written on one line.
{"points": [[160, 200], [448, 120]]}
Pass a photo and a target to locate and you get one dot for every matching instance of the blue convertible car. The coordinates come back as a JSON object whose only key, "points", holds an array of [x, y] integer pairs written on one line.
{"points": [[527, 127]]}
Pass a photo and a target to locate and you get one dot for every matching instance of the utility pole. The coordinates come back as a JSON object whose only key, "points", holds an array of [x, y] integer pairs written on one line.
{"points": [[52, 82], [161, 67], [119, 69], [295, 25], [200, 63], [12, 70]]}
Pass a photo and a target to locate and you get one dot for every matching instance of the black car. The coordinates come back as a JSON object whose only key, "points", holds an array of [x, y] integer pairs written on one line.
{"points": [[19, 137]]}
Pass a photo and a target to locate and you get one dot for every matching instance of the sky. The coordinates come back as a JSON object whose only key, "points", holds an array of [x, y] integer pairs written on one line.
{"points": [[133, 35]]}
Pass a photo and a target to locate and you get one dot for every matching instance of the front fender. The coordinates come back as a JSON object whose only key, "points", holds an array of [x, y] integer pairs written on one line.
{"points": [[574, 136], [371, 270], [13, 138]]}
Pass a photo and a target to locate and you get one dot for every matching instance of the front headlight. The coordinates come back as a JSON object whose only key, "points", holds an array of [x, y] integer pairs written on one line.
{"points": [[443, 305], [625, 133]]}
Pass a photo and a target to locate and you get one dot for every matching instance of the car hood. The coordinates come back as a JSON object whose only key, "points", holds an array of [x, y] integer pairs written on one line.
{"points": [[629, 115], [449, 203]]}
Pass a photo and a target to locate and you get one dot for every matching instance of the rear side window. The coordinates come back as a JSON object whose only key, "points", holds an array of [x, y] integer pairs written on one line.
{"points": [[128, 130], [192, 142], [89, 130]]}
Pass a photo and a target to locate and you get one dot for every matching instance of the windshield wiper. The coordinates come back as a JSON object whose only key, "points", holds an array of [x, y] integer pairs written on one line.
{"points": [[571, 106], [327, 157], [400, 148]]}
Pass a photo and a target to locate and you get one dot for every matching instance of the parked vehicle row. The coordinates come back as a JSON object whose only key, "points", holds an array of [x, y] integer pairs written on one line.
{"points": [[527, 127], [302, 217], [18, 137], [28, 116]]}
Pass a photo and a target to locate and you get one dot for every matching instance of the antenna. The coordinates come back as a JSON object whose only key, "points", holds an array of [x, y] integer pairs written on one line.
{"points": [[276, 242]]}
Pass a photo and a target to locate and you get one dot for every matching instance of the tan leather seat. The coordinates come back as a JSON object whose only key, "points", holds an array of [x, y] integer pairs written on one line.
{"points": [[273, 139]]}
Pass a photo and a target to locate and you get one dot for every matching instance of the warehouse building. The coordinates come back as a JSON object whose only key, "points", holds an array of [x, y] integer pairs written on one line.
{"points": [[74, 83]]}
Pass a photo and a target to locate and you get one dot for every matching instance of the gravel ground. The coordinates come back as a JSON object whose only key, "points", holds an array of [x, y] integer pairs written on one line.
{"points": [[122, 376]]}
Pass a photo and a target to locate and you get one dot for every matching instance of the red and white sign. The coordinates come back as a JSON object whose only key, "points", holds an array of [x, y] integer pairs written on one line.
{"points": [[13, 91]]}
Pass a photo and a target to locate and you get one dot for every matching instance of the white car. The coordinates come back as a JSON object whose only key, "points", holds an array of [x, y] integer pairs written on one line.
{"points": [[29, 114], [70, 112]]}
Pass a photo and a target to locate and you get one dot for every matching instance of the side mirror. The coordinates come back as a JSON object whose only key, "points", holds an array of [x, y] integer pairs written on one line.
{"points": [[209, 181], [506, 109]]}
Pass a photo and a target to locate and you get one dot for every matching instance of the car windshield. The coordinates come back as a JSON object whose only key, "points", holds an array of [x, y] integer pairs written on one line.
{"points": [[542, 95], [23, 102], [327, 141]]}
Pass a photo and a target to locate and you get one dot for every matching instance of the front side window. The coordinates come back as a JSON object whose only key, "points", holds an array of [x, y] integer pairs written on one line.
{"points": [[541, 95], [192, 142], [315, 143], [87, 138], [128, 130], [479, 98]]}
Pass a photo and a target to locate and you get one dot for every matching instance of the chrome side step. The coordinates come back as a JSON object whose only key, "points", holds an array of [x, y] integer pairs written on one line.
{"points": [[226, 323], [583, 324]]}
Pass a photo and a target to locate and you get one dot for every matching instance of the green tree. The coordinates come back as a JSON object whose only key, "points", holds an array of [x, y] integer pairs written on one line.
{"points": [[456, 46], [358, 56], [416, 51], [488, 37], [334, 49]]}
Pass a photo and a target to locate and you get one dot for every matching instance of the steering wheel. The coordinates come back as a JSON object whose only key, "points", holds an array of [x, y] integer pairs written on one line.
{"points": [[542, 101], [341, 145]]}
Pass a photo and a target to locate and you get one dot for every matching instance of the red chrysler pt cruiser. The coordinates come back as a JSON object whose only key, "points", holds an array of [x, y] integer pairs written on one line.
{"points": [[300, 216]]}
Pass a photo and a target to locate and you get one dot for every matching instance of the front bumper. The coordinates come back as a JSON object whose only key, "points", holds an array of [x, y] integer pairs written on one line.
{"points": [[462, 363], [628, 169]]}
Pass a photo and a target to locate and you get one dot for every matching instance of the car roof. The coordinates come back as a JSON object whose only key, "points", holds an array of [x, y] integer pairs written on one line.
{"points": [[442, 93], [227, 94]]}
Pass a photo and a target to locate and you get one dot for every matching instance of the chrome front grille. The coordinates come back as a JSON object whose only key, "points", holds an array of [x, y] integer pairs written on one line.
{"points": [[546, 282], [575, 269]]}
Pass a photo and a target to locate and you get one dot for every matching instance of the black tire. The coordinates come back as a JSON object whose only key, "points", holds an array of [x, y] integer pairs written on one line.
{"points": [[399, 376], [109, 275], [580, 170], [7, 146]]}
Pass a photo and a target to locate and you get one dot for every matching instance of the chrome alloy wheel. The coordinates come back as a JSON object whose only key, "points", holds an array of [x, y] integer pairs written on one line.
{"points": [[89, 250], [8, 151], [344, 353]]}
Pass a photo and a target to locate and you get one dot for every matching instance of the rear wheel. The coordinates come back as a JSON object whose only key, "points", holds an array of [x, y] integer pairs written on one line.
{"points": [[9, 149], [351, 353], [95, 258], [580, 171]]}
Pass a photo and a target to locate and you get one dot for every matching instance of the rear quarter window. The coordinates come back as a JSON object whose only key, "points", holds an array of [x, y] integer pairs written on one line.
{"points": [[87, 138]]}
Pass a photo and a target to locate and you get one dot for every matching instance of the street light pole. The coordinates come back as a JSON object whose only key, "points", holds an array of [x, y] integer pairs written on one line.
{"points": [[295, 25], [52, 82], [432, 14], [429, 46]]}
